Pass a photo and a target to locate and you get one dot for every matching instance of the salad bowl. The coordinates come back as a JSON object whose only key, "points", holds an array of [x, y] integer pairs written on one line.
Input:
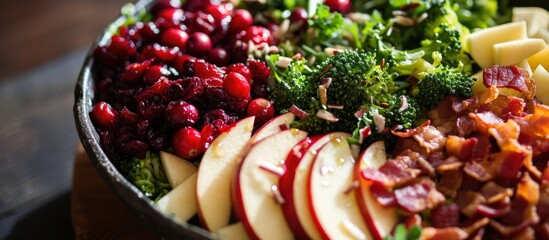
{"points": [[165, 225]]}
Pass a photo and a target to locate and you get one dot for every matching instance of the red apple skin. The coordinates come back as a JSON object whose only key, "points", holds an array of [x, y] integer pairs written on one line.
{"points": [[238, 203], [236, 196], [360, 199], [363, 183], [287, 117], [286, 185]]}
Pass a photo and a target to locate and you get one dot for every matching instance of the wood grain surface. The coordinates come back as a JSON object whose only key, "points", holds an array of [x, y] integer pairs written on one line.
{"points": [[97, 212], [33, 32]]}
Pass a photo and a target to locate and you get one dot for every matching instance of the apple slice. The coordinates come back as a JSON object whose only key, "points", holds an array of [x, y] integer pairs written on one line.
{"points": [[255, 191], [215, 173], [272, 126], [181, 201], [293, 185], [331, 195], [380, 220], [177, 169], [234, 231]]}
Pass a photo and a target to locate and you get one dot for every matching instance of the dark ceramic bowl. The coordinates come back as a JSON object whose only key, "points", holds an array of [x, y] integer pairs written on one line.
{"points": [[165, 225]]}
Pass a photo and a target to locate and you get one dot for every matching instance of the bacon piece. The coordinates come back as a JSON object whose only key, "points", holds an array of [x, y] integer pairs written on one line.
{"points": [[411, 132], [419, 196], [383, 196], [465, 126], [539, 121], [429, 233], [430, 138], [478, 171], [509, 77], [495, 193], [445, 216], [491, 212], [468, 201], [390, 174], [485, 120], [450, 183]]}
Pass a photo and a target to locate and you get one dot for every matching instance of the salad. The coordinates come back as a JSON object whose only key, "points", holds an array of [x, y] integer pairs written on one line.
{"points": [[333, 119]]}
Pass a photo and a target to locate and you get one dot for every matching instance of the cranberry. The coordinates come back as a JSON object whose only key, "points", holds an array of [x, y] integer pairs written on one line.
{"points": [[164, 53], [262, 109], [154, 73], [242, 69], [202, 22], [199, 44], [181, 114], [175, 37], [238, 105], [242, 19], [299, 16], [186, 143], [149, 31], [127, 117], [236, 85], [256, 34], [342, 6], [206, 70], [151, 108], [260, 71], [136, 148], [218, 56], [103, 115], [134, 71], [173, 15], [219, 12], [164, 4]]}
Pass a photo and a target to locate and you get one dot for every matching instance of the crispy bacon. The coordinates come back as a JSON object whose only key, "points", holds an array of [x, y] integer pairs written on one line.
{"points": [[411, 132], [450, 183], [454, 233], [390, 174], [430, 138], [468, 201], [419, 196], [509, 77]]}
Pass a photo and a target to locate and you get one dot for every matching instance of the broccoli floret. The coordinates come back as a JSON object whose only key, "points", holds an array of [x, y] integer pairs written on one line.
{"points": [[292, 85], [401, 112], [147, 175], [441, 82], [355, 79], [481, 13]]}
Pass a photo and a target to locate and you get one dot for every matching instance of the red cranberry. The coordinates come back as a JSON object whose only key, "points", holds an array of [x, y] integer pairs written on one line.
{"points": [[202, 22], [103, 115], [149, 31], [242, 19], [165, 53], [236, 85], [342, 6], [206, 70], [164, 4], [218, 56], [256, 34], [134, 71], [299, 15], [262, 109], [136, 148], [186, 143], [181, 114], [199, 44], [220, 12], [238, 105], [173, 15], [175, 37], [260, 71], [154, 73], [242, 69]]}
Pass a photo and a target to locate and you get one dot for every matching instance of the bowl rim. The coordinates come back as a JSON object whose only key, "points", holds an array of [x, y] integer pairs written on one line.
{"points": [[163, 224]]}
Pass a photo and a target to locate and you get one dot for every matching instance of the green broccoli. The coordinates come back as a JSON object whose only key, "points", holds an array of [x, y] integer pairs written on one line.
{"points": [[401, 112], [440, 82], [482, 13], [292, 85], [147, 175], [355, 79]]}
